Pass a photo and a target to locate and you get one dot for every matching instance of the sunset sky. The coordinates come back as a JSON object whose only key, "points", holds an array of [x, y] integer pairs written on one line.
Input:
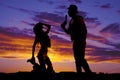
{"points": [[102, 18]]}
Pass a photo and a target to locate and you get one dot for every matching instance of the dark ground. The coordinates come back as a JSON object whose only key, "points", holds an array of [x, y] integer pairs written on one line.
{"points": [[58, 76]]}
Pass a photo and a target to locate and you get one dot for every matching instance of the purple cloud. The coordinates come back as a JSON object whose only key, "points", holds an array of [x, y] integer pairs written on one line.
{"points": [[28, 23], [30, 12], [48, 2], [8, 35], [118, 11], [113, 28], [93, 20], [82, 13], [56, 18], [106, 6], [77, 1], [105, 54], [61, 45], [40, 16], [9, 47], [95, 37], [15, 32], [112, 35], [52, 18], [64, 7]]}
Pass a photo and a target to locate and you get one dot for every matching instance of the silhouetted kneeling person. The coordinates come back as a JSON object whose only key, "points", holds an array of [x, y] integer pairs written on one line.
{"points": [[42, 37], [78, 32]]}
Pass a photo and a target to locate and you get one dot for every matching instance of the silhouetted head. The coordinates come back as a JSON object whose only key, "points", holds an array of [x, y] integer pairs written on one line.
{"points": [[72, 10], [37, 28]]}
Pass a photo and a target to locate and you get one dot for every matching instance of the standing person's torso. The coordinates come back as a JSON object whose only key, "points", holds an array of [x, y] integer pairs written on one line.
{"points": [[77, 29], [44, 39]]}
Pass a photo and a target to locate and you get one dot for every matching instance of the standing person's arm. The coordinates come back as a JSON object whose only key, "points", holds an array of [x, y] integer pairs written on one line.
{"points": [[64, 24], [48, 29], [32, 60], [33, 48]]}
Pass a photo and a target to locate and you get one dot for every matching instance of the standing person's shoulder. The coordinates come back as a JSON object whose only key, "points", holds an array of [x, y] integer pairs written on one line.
{"points": [[80, 17]]}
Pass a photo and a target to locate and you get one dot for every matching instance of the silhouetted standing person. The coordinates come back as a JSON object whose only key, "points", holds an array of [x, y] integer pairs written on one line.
{"points": [[78, 32], [43, 39]]}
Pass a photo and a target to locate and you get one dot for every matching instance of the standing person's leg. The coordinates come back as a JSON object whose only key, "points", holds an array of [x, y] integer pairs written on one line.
{"points": [[79, 54], [41, 58], [82, 57], [47, 61], [49, 65], [76, 51]]}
